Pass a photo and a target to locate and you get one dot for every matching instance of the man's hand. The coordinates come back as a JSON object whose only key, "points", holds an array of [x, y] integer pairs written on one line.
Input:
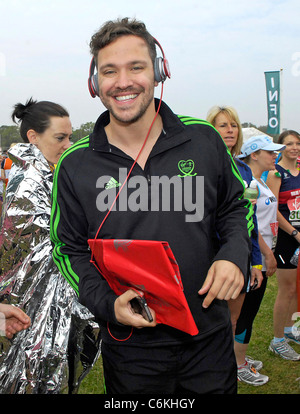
{"points": [[125, 314], [12, 320], [224, 280]]}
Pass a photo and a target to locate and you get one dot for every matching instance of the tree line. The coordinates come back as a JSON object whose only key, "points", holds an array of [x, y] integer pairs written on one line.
{"points": [[10, 134]]}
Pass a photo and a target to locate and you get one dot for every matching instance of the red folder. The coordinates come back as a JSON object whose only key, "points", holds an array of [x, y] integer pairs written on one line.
{"points": [[150, 267]]}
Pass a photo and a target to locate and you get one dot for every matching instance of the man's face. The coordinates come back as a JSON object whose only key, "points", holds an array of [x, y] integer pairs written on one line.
{"points": [[126, 79]]}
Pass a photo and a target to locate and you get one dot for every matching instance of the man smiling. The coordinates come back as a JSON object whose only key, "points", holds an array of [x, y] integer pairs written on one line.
{"points": [[154, 358], [126, 85]]}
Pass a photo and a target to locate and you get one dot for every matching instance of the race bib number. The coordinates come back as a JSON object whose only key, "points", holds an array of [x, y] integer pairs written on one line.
{"points": [[294, 207]]}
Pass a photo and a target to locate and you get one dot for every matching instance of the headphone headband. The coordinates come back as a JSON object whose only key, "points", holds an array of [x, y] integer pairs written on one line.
{"points": [[161, 72]]}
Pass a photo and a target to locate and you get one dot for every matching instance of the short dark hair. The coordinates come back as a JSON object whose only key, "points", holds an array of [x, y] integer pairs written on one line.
{"points": [[111, 30], [247, 159], [36, 115]]}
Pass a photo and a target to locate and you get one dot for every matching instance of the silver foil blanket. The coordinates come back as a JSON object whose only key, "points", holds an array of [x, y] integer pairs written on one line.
{"points": [[61, 346]]}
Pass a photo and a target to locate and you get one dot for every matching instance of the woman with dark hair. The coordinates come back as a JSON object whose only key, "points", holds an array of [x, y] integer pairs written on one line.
{"points": [[46, 125], [35, 361], [285, 184]]}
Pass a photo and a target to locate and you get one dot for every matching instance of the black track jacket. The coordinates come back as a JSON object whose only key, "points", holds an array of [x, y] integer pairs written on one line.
{"points": [[190, 154]]}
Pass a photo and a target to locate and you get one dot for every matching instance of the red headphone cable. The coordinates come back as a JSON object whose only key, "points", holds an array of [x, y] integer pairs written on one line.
{"points": [[135, 161], [115, 200]]}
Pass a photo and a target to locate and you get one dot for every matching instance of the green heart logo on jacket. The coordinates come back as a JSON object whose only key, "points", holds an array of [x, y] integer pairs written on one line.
{"points": [[186, 167]]}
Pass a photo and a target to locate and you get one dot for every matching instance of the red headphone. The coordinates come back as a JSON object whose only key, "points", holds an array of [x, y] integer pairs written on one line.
{"points": [[161, 72]]}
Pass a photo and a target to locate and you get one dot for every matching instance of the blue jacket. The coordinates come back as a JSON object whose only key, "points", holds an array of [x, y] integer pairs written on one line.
{"points": [[246, 174]]}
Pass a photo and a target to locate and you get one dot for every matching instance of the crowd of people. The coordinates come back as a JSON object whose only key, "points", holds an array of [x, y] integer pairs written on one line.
{"points": [[242, 230]]}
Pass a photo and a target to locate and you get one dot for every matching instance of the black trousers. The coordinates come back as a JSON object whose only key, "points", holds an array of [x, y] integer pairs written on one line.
{"points": [[202, 367], [249, 311]]}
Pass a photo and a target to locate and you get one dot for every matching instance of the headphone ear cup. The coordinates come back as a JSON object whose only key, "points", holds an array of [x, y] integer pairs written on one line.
{"points": [[161, 69], [161, 66], [93, 81], [93, 86], [159, 73]]}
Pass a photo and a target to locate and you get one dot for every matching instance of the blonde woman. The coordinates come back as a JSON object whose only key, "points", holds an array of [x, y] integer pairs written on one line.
{"points": [[226, 120]]}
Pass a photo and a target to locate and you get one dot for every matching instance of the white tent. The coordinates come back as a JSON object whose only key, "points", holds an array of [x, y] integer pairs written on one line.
{"points": [[251, 132]]}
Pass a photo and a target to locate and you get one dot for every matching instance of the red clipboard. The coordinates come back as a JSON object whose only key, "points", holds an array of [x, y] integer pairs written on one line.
{"points": [[150, 267]]}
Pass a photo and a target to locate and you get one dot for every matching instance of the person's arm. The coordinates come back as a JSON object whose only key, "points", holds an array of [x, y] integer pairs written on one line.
{"points": [[234, 224], [256, 259], [274, 182], [2, 177], [271, 263], [12, 320]]}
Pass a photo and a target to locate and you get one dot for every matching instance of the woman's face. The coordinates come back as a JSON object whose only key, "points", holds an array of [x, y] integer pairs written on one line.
{"points": [[292, 147], [228, 129], [55, 139], [266, 160]]}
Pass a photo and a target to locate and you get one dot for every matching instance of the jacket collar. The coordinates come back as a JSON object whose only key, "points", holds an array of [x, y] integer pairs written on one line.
{"points": [[171, 125]]}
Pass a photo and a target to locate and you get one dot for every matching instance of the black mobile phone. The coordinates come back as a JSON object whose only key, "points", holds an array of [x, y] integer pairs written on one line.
{"points": [[254, 286], [139, 305]]}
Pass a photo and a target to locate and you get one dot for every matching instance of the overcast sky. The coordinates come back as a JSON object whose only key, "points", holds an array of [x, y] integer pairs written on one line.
{"points": [[218, 52]]}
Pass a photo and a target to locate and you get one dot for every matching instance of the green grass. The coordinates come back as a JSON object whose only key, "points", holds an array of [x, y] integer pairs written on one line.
{"points": [[93, 382], [283, 374]]}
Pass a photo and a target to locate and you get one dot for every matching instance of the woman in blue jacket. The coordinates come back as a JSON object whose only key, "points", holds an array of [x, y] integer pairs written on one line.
{"points": [[226, 121]]}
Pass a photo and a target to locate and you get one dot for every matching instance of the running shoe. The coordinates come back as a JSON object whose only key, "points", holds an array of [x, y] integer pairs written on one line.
{"points": [[291, 337], [256, 364], [284, 350], [248, 374]]}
